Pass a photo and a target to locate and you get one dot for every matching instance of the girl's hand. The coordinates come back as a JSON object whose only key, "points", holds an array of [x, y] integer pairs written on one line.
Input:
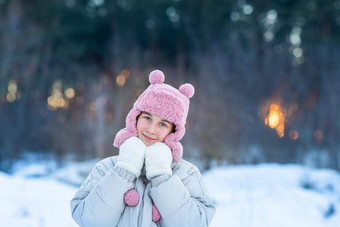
{"points": [[158, 159], [131, 155]]}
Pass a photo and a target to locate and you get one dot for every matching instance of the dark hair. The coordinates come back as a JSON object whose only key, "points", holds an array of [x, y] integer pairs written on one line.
{"points": [[174, 128]]}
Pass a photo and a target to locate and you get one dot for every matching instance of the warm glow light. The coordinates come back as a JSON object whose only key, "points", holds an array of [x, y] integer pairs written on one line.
{"points": [[280, 129], [273, 120], [61, 102], [56, 100], [274, 117], [10, 97], [69, 93], [12, 87], [12, 94], [57, 93], [126, 73], [293, 134], [121, 78], [51, 101]]}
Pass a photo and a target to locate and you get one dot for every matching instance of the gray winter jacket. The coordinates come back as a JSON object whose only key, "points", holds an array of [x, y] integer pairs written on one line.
{"points": [[181, 198]]}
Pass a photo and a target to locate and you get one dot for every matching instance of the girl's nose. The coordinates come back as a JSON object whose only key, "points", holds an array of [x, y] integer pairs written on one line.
{"points": [[151, 128]]}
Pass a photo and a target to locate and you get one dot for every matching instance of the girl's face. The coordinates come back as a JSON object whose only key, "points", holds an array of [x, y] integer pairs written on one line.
{"points": [[151, 128]]}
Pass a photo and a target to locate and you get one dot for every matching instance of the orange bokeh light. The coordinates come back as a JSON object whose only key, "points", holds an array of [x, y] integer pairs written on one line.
{"points": [[294, 135], [274, 117]]}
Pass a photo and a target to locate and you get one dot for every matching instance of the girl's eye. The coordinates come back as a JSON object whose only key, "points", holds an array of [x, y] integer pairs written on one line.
{"points": [[163, 124], [147, 118]]}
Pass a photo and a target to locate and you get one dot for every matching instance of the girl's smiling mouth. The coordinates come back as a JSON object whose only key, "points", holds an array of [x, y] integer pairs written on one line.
{"points": [[148, 138]]}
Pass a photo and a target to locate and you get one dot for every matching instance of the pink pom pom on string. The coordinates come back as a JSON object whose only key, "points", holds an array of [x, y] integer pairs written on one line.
{"points": [[155, 213], [131, 198]]}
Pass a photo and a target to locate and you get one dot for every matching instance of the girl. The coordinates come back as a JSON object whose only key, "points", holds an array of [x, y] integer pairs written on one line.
{"points": [[148, 183]]}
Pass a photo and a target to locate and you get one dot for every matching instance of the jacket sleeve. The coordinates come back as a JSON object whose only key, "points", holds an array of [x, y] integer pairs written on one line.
{"points": [[99, 201], [183, 202]]}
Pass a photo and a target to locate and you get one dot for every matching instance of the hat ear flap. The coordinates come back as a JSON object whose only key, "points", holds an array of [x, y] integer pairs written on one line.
{"points": [[177, 150], [131, 119], [130, 130], [175, 146], [122, 136]]}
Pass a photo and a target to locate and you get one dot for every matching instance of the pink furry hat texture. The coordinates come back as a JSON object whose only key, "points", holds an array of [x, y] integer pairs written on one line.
{"points": [[165, 101]]}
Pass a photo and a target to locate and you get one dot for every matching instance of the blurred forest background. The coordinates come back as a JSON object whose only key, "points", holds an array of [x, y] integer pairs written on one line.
{"points": [[266, 74]]}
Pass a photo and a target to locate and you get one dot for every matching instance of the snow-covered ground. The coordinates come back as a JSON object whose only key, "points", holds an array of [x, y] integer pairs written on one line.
{"points": [[266, 195], [270, 195]]}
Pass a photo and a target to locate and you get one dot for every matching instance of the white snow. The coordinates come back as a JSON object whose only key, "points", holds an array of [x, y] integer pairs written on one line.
{"points": [[263, 195], [34, 202], [274, 195]]}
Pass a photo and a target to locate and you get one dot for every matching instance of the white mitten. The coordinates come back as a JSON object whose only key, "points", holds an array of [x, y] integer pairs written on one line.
{"points": [[131, 155], [158, 159]]}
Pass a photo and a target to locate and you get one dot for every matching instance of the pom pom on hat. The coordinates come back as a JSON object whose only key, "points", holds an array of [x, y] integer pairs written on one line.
{"points": [[156, 77], [188, 90], [131, 198]]}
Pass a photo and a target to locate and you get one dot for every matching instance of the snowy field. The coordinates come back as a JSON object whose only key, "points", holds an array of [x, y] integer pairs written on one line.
{"points": [[264, 195]]}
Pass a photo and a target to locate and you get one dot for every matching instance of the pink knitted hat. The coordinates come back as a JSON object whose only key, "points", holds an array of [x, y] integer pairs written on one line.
{"points": [[165, 101]]}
